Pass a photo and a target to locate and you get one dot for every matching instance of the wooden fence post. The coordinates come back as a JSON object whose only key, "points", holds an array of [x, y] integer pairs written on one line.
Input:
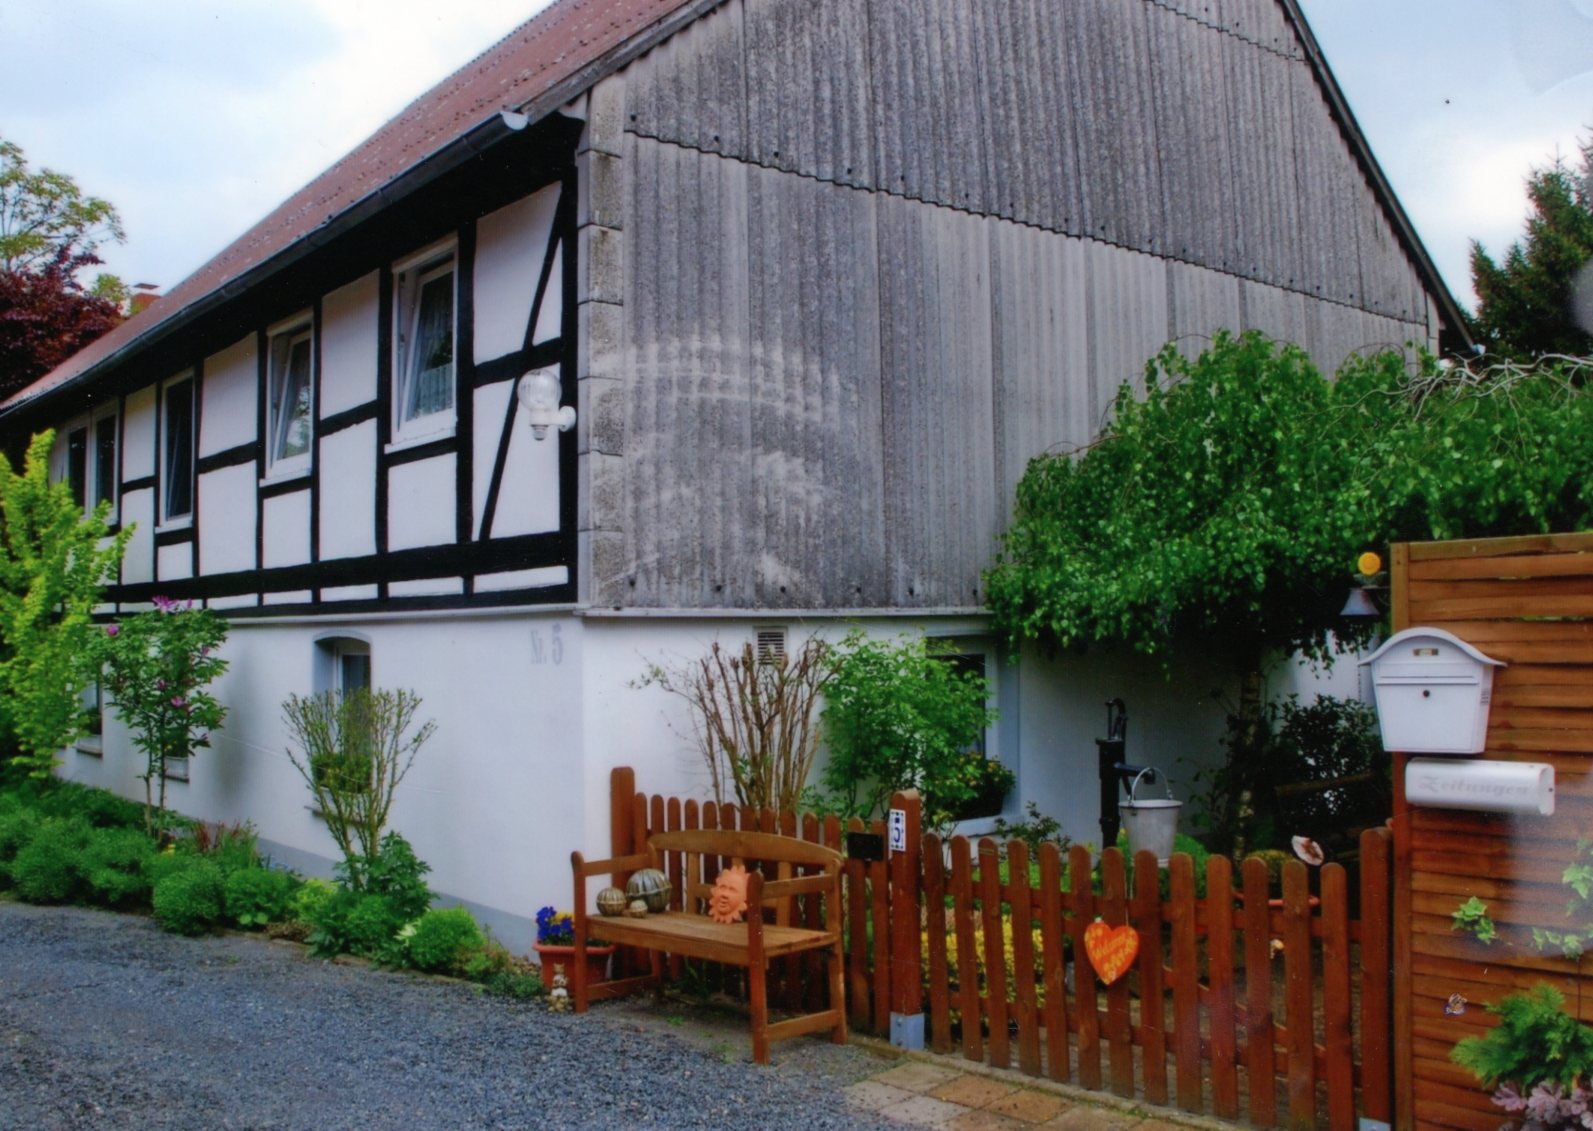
{"points": [[906, 952]]}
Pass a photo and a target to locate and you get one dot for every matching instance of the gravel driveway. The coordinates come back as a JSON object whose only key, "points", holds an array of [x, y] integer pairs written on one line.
{"points": [[107, 1022]]}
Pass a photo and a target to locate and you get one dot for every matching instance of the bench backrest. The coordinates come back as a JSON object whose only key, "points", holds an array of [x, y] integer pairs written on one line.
{"points": [[789, 857]]}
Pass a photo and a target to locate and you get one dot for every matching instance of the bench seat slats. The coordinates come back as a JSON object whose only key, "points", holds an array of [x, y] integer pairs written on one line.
{"points": [[697, 936]]}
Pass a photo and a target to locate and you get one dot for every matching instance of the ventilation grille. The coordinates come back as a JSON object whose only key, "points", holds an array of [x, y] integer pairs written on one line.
{"points": [[771, 644]]}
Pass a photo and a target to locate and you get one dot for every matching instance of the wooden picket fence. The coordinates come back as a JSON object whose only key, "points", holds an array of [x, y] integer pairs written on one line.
{"points": [[1275, 1010]]}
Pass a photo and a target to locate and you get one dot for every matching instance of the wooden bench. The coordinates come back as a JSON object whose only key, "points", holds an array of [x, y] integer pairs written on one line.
{"points": [[790, 868]]}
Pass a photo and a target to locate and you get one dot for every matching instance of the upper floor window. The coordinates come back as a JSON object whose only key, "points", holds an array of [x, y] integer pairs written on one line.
{"points": [[424, 318], [91, 460], [177, 450], [289, 396]]}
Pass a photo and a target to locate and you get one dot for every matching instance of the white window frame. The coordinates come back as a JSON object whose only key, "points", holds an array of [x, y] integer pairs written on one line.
{"points": [[93, 742], [90, 426], [280, 343], [1000, 737], [167, 520], [331, 653], [409, 279]]}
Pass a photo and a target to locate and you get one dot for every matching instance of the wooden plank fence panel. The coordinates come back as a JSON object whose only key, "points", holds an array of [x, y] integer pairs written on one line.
{"points": [[935, 930], [880, 916], [996, 953], [1051, 936], [1186, 992], [1082, 900], [1119, 1025], [1340, 1073], [1021, 900], [995, 950], [973, 1045], [1298, 1013], [1147, 913], [1220, 1002], [1260, 1033]]}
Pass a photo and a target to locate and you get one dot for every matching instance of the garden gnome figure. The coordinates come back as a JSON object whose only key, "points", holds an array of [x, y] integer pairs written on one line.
{"points": [[559, 995]]}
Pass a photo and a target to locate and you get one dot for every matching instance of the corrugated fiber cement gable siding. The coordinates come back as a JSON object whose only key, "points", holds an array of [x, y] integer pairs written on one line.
{"points": [[753, 387], [1192, 131]]}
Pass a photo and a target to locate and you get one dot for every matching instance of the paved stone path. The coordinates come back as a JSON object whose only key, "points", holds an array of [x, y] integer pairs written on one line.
{"points": [[944, 1092]]}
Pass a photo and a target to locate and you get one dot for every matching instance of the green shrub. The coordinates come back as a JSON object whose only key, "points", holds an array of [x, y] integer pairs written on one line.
{"points": [[189, 899], [372, 928], [232, 849], [441, 939], [49, 868], [1535, 1042], [17, 826], [311, 895], [395, 872], [328, 919], [115, 865], [99, 807], [499, 972], [257, 896]]}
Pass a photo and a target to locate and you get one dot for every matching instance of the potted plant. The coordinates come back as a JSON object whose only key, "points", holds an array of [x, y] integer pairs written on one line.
{"points": [[555, 946]]}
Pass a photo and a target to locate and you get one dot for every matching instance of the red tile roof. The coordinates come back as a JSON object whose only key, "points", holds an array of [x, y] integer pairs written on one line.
{"points": [[539, 66]]}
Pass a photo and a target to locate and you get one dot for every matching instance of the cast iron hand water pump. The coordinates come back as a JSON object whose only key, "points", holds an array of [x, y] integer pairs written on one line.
{"points": [[1114, 770]]}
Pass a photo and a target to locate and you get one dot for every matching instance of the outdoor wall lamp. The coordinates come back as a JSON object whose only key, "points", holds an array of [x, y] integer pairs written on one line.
{"points": [[1368, 572], [539, 396]]}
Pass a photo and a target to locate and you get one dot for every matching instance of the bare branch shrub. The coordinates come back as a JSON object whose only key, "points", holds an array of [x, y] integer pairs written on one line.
{"points": [[354, 755], [753, 718]]}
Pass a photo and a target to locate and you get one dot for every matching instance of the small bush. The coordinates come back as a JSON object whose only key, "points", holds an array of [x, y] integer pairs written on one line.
{"points": [[17, 826], [115, 864], [189, 899], [49, 868], [230, 848], [257, 896], [328, 919], [499, 972], [99, 807], [395, 872], [309, 898], [442, 938], [372, 929]]}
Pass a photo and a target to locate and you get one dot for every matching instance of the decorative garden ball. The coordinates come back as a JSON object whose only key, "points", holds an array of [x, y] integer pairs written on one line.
{"points": [[611, 901], [637, 909], [650, 885]]}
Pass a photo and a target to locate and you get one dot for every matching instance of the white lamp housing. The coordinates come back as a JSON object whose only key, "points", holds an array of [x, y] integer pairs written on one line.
{"points": [[539, 397]]}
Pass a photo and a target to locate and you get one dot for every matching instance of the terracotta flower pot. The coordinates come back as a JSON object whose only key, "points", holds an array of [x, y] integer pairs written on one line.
{"points": [[551, 956]]}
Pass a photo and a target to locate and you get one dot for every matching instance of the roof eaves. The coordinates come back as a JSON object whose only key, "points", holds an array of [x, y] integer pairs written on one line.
{"points": [[425, 168], [1448, 309]]}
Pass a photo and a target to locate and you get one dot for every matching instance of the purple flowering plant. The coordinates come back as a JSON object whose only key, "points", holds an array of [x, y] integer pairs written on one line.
{"points": [[158, 668]]}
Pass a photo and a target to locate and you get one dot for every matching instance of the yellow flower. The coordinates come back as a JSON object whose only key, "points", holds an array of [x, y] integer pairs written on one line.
{"points": [[1369, 564]]}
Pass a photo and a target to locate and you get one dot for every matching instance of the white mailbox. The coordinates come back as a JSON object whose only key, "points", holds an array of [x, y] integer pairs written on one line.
{"points": [[1492, 787], [1432, 692]]}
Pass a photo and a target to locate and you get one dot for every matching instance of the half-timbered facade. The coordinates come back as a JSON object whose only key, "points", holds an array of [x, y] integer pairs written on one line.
{"points": [[815, 279]]}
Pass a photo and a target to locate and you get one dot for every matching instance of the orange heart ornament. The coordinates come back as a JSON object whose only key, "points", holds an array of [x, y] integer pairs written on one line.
{"points": [[1111, 950]]}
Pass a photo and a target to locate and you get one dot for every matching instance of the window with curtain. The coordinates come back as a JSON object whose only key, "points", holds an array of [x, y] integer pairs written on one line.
{"points": [[424, 361], [289, 400]]}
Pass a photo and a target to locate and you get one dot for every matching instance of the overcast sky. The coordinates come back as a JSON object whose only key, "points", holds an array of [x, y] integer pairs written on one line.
{"points": [[196, 118]]}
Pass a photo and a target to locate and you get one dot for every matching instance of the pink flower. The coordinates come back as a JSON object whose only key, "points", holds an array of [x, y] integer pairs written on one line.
{"points": [[160, 685], [177, 701], [112, 629], [164, 604]]}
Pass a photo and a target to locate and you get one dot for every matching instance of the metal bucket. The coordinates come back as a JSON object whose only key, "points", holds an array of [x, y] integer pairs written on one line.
{"points": [[1151, 825]]}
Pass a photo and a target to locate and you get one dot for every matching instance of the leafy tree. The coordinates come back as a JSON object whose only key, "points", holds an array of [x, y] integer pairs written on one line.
{"points": [[45, 219], [159, 665], [44, 319], [49, 232], [54, 563], [1229, 503], [897, 716], [1524, 305]]}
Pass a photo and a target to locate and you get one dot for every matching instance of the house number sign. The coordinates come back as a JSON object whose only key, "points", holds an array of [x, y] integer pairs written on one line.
{"points": [[898, 830]]}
